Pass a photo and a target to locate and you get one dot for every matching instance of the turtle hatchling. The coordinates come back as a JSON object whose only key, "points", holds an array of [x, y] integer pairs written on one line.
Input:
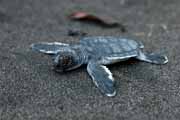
{"points": [[97, 53]]}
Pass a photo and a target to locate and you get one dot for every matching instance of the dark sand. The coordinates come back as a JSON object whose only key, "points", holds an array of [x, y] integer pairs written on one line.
{"points": [[31, 90]]}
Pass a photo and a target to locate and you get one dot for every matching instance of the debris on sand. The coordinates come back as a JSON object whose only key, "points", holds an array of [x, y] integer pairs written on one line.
{"points": [[104, 21], [76, 32]]}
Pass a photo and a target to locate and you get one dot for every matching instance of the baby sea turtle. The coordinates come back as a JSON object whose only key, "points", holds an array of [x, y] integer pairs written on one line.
{"points": [[97, 52]]}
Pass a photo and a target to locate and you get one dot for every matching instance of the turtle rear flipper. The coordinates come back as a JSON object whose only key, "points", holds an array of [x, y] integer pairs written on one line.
{"points": [[152, 58], [102, 78], [49, 48]]}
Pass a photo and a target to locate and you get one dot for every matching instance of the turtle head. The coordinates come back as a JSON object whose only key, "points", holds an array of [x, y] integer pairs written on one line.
{"points": [[67, 59]]}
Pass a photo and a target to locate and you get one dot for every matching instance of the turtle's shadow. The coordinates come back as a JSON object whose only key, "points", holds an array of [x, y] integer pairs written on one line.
{"points": [[126, 73], [134, 67]]}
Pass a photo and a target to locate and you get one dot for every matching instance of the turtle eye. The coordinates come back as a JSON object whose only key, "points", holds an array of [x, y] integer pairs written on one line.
{"points": [[66, 60]]}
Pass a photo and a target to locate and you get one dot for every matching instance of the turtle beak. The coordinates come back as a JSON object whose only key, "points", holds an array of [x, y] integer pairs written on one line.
{"points": [[57, 68]]}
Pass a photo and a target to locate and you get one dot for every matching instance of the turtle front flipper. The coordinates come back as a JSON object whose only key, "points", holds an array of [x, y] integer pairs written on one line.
{"points": [[49, 48], [152, 58], [102, 77]]}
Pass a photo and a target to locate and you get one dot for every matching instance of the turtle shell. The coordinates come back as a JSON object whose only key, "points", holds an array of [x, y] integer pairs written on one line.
{"points": [[108, 46]]}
